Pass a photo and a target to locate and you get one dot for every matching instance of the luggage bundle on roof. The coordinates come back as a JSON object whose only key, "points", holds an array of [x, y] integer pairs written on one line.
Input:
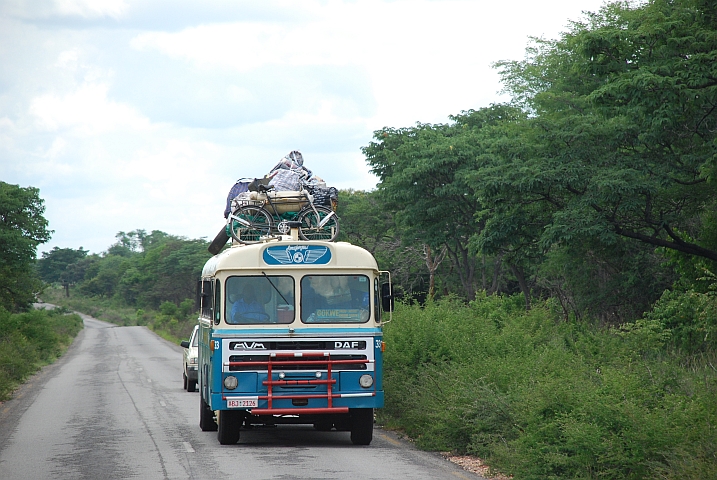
{"points": [[289, 175], [291, 193]]}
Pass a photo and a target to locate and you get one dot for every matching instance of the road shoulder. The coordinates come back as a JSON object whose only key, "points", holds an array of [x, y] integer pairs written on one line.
{"points": [[13, 409]]}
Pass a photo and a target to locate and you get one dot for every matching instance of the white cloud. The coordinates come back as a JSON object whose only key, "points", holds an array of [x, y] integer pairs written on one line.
{"points": [[171, 169], [86, 111], [87, 9], [238, 94], [369, 32], [92, 8], [425, 59], [58, 146], [68, 59]]}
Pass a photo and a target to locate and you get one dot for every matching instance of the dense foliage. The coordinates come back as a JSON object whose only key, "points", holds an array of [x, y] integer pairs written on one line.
{"points": [[35, 338], [622, 137], [142, 279], [600, 170], [540, 399], [140, 270], [591, 196], [30, 340], [22, 229]]}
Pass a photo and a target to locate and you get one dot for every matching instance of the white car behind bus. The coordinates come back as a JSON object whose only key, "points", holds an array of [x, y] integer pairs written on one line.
{"points": [[189, 361]]}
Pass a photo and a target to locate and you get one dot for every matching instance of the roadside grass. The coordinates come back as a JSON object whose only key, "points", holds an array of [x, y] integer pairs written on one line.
{"points": [[29, 341], [539, 398]]}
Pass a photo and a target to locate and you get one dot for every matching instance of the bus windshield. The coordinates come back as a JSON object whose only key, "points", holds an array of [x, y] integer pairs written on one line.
{"points": [[335, 299], [259, 299]]}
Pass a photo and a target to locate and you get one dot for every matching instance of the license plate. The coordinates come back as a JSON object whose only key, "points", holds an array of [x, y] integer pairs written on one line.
{"points": [[243, 402]]}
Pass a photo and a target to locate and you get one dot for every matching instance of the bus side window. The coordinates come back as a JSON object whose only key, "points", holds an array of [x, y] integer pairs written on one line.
{"points": [[376, 300], [217, 301]]}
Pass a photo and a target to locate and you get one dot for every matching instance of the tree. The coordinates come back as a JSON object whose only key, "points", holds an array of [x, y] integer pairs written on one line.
{"points": [[367, 222], [174, 264], [433, 261], [623, 135], [22, 229], [143, 269], [364, 220], [61, 265], [426, 177], [103, 276]]}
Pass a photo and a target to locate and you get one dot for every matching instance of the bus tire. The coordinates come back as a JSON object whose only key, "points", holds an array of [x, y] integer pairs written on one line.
{"points": [[219, 241], [229, 424], [361, 426], [206, 417]]}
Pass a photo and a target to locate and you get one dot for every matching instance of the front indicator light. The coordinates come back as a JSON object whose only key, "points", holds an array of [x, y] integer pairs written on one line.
{"points": [[366, 381], [231, 382]]}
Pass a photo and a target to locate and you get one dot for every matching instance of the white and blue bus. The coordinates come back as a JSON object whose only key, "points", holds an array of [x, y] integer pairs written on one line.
{"points": [[290, 332]]}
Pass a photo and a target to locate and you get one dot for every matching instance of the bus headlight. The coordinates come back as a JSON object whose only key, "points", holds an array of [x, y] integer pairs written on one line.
{"points": [[366, 381], [231, 382]]}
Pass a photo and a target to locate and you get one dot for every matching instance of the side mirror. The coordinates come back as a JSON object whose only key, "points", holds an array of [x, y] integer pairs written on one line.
{"points": [[198, 296], [387, 300], [185, 344], [204, 298]]}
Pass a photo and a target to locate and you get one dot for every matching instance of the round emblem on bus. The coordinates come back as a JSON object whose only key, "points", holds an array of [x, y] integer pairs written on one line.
{"points": [[298, 257]]}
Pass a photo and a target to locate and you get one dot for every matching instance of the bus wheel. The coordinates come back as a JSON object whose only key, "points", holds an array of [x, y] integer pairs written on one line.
{"points": [[229, 424], [206, 417], [361, 426]]}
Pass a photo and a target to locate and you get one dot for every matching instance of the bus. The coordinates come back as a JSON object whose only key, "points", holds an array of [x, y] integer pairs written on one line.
{"points": [[290, 332]]}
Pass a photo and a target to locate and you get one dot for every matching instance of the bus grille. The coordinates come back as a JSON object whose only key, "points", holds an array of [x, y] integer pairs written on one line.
{"points": [[310, 362]]}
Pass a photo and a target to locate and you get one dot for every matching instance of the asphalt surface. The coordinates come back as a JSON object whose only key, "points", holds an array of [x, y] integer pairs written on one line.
{"points": [[113, 407]]}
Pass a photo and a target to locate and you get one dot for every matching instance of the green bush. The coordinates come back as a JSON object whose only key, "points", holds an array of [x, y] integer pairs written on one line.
{"points": [[30, 340], [687, 320], [539, 398], [168, 308], [187, 308]]}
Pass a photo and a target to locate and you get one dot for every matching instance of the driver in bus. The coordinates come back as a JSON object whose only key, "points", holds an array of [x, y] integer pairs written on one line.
{"points": [[248, 309]]}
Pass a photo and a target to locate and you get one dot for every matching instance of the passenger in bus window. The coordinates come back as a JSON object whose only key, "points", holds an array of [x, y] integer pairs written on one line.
{"points": [[311, 299], [340, 298], [334, 289], [248, 309]]}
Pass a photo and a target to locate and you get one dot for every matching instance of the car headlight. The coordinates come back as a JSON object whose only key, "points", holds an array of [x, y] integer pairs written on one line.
{"points": [[366, 381], [230, 382], [193, 360]]}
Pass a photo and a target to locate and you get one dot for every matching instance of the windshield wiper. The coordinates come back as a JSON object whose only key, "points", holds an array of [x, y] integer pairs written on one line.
{"points": [[277, 290]]}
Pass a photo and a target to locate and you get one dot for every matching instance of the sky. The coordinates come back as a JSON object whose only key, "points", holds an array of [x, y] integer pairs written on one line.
{"points": [[141, 114]]}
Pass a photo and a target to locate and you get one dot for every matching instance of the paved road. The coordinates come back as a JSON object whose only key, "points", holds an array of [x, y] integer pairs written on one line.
{"points": [[113, 408]]}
